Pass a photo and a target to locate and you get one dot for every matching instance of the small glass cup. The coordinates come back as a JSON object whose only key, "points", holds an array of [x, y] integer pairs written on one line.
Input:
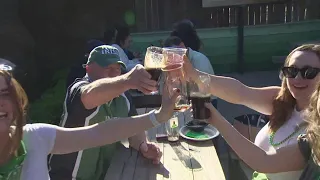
{"points": [[173, 58], [172, 128], [199, 94]]}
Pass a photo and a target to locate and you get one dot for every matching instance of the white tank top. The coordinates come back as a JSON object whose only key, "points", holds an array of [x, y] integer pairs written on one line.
{"points": [[262, 140]]}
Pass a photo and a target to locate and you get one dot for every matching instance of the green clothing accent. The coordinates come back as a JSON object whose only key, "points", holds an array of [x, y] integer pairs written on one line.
{"points": [[95, 161], [259, 176], [105, 55], [89, 164], [12, 170]]}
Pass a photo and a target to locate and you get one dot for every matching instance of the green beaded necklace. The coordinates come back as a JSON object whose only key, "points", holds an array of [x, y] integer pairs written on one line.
{"points": [[273, 133]]}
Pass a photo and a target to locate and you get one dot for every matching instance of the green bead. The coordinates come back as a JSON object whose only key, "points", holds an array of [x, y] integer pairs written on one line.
{"points": [[272, 134]]}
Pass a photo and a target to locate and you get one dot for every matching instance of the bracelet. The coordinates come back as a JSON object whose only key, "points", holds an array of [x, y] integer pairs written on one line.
{"points": [[153, 118]]}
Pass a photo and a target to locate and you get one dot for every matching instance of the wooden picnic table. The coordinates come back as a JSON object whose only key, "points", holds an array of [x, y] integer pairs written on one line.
{"points": [[183, 160]]}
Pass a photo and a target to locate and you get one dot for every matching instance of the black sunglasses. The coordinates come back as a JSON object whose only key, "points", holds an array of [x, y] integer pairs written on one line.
{"points": [[306, 72]]}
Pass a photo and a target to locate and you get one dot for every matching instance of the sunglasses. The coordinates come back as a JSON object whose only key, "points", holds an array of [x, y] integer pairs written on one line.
{"points": [[306, 72]]}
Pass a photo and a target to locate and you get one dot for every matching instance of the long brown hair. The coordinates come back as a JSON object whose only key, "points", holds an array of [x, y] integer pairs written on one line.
{"points": [[284, 102], [20, 103], [312, 116]]}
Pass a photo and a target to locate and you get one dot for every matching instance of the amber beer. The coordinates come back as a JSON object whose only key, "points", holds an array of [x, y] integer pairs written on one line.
{"points": [[198, 100]]}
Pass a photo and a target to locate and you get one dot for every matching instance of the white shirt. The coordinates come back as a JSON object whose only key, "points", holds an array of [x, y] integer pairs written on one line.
{"points": [[39, 140], [262, 140]]}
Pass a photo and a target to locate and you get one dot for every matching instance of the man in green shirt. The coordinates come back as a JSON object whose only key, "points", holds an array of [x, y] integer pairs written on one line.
{"points": [[90, 100]]}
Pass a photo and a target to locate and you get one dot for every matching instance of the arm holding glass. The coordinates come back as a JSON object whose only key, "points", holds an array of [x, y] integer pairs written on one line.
{"points": [[75, 139], [265, 162], [233, 91], [105, 89]]}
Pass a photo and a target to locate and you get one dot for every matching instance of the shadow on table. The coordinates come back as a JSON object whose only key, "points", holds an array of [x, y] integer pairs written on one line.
{"points": [[146, 170], [161, 170], [184, 156]]}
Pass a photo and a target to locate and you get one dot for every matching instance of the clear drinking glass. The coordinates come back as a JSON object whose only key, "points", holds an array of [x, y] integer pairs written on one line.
{"points": [[182, 102], [154, 62], [173, 58], [199, 94], [172, 127]]}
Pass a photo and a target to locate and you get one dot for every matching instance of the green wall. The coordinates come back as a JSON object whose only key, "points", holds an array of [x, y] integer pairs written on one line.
{"points": [[260, 43]]}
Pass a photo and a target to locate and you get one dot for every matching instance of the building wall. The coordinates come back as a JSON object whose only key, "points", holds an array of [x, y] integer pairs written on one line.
{"points": [[260, 43]]}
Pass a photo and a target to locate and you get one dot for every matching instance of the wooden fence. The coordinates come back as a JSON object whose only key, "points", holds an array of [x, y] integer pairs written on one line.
{"points": [[157, 15]]}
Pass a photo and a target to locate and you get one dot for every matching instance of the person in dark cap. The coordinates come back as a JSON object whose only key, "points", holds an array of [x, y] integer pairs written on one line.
{"points": [[96, 98], [24, 147], [77, 71]]}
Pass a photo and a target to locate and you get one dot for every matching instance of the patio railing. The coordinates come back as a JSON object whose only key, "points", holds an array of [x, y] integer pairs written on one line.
{"points": [[157, 15]]}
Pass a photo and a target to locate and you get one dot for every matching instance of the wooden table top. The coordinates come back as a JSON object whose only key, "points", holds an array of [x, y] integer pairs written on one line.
{"points": [[183, 160]]}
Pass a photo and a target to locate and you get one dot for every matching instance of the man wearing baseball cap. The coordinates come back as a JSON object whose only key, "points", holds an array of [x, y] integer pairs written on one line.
{"points": [[95, 98]]}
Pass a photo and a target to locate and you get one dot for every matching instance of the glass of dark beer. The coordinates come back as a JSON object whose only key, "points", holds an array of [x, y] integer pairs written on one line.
{"points": [[154, 62], [199, 94]]}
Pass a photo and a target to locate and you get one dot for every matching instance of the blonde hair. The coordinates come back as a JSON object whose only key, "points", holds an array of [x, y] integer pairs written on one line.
{"points": [[20, 102], [284, 102], [312, 116]]}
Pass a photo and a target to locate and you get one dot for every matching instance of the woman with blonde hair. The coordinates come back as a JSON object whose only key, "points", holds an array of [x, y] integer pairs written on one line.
{"points": [[303, 155], [24, 147], [284, 104]]}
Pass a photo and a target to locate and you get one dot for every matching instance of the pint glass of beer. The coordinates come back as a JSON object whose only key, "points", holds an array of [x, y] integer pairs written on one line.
{"points": [[154, 62], [199, 94]]}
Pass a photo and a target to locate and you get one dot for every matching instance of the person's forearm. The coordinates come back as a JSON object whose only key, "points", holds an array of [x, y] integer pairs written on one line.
{"points": [[103, 90], [226, 88], [107, 132], [136, 140], [245, 149]]}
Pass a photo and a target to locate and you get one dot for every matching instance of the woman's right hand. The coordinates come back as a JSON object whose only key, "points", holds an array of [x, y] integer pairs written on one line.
{"points": [[169, 97], [187, 72]]}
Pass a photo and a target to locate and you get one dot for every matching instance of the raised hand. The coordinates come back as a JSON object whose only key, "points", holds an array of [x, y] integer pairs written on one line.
{"points": [[169, 98], [138, 78]]}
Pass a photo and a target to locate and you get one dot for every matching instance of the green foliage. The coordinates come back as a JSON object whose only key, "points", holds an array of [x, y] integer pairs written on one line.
{"points": [[48, 108]]}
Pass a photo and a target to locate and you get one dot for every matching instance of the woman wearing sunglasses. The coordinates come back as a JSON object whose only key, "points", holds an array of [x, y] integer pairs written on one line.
{"points": [[283, 104], [24, 148], [305, 154]]}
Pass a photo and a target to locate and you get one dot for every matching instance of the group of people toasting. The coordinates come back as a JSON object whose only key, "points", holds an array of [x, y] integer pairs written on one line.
{"points": [[287, 147]]}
